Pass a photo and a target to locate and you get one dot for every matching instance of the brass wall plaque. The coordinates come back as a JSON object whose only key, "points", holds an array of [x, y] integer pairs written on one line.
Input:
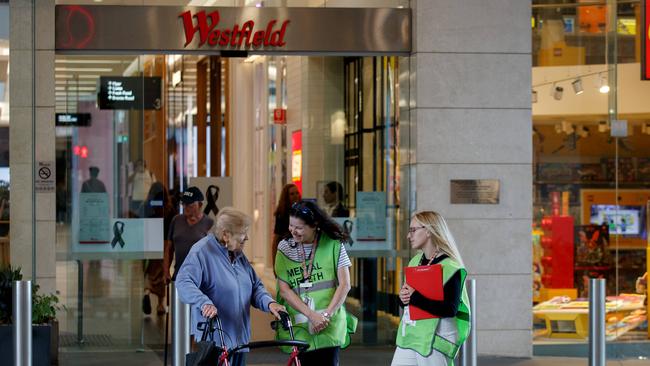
{"points": [[474, 191]]}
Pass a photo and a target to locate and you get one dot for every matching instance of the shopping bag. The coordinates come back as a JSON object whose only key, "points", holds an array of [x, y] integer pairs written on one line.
{"points": [[207, 353]]}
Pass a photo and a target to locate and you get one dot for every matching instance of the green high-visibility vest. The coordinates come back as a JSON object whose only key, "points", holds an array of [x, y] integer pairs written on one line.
{"points": [[422, 337], [324, 282]]}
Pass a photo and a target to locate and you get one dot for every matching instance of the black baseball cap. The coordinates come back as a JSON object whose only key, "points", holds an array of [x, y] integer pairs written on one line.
{"points": [[191, 195]]}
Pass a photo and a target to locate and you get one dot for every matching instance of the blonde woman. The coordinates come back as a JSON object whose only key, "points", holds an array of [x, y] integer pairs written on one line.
{"points": [[433, 341]]}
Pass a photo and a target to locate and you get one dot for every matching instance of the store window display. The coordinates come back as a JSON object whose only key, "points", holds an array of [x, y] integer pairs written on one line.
{"points": [[591, 176]]}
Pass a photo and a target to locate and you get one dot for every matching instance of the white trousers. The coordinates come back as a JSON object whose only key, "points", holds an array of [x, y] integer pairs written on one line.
{"points": [[408, 357]]}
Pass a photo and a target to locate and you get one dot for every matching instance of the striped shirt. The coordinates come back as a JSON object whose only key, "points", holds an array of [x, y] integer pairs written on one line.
{"points": [[294, 252]]}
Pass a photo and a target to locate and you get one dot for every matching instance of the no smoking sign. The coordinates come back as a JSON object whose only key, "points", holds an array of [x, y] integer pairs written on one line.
{"points": [[44, 177]]}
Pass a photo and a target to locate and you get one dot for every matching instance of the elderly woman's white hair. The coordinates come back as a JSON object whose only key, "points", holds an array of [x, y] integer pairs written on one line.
{"points": [[231, 220]]}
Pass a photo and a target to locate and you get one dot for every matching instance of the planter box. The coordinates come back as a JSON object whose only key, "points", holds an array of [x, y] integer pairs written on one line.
{"points": [[44, 344]]}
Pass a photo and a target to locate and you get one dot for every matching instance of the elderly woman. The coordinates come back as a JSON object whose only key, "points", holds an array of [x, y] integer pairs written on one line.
{"points": [[217, 275]]}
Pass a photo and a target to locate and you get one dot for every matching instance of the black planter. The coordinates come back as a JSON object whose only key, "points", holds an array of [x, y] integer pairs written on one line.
{"points": [[42, 336]]}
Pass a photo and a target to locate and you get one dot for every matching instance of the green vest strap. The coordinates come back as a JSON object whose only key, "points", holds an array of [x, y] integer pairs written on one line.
{"points": [[448, 348], [462, 315], [323, 285]]}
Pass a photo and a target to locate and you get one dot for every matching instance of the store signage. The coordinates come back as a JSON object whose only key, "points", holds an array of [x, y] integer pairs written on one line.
{"points": [[296, 159], [266, 30], [474, 191], [72, 119], [279, 116], [117, 92], [270, 36], [645, 44]]}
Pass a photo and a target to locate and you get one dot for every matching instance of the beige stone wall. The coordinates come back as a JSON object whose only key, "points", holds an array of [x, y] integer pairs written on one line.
{"points": [[471, 108], [32, 142]]}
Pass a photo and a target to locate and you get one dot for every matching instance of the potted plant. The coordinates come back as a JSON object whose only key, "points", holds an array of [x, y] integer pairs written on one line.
{"points": [[45, 330]]}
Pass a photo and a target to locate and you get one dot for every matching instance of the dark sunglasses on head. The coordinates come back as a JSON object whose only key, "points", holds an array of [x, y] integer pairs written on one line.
{"points": [[304, 210]]}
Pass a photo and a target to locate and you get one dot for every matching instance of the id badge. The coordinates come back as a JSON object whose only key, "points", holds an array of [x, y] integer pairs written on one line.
{"points": [[309, 302], [301, 318]]}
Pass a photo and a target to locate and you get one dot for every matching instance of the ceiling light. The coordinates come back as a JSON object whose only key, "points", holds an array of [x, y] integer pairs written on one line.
{"points": [[645, 128], [75, 82], [85, 61], [577, 86], [84, 69], [177, 77], [171, 59], [603, 126], [582, 131], [251, 58], [604, 88], [557, 92], [534, 96]]}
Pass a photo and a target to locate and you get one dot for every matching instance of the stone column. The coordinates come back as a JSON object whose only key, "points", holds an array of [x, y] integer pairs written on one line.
{"points": [[471, 111], [32, 138]]}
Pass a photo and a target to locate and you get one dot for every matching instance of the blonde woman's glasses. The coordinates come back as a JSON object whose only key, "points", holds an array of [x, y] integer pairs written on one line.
{"points": [[414, 229]]}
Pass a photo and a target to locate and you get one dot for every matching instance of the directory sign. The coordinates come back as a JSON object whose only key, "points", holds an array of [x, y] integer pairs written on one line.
{"points": [[119, 92]]}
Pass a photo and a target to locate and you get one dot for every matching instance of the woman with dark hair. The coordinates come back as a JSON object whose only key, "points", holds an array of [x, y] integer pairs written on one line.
{"points": [[289, 195], [313, 270]]}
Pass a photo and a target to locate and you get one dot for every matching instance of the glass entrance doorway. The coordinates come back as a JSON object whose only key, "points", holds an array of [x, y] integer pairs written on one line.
{"points": [[134, 131]]}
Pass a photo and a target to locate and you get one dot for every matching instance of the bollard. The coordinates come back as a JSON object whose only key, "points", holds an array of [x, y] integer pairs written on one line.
{"points": [[22, 330], [180, 329], [597, 356], [468, 356]]}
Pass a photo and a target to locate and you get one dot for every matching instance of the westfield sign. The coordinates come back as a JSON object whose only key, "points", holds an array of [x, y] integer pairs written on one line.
{"points": [[206, 26]]}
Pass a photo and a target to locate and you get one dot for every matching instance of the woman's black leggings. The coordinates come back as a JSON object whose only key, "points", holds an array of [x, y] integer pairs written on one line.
{"points": [[321, 357]]}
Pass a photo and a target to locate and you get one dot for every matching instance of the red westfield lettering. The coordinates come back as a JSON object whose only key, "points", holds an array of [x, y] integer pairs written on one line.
{"points": [[206, 26]]}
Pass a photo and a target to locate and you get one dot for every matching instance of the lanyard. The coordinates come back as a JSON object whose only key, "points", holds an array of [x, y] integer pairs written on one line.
{"points": [[432, 258], [307, 269]]}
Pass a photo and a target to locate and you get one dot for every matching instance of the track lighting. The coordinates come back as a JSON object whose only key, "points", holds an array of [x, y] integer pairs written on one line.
{"points": [[603, 126], [645, 128], [577, 86], [582, 131], [557, 92], [603, 88]]}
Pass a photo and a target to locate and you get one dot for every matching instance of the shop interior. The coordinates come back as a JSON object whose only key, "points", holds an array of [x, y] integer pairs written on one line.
{"points": [[591, 171]]}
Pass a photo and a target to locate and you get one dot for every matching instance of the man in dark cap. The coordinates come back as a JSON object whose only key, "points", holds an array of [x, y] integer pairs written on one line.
{"points": [[185, 230], [93, 185]]}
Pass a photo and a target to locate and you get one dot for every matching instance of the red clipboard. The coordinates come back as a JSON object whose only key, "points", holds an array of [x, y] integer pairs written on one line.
{"points": [[427, 280]]}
